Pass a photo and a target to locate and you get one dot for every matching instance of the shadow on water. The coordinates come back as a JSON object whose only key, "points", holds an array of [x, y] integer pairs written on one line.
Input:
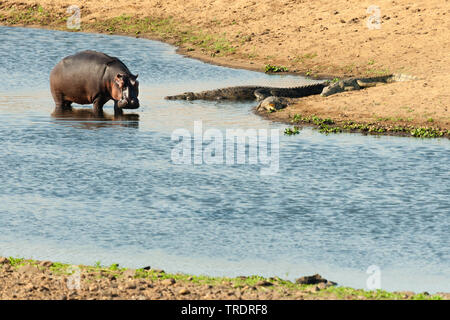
{"points": [[88, 119]]}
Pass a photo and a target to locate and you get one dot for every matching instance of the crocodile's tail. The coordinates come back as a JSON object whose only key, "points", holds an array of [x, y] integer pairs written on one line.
{"points": [[309, 90]]}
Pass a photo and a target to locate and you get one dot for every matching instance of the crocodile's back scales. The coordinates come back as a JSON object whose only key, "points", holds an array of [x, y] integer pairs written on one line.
{"points": [[251, 92]]}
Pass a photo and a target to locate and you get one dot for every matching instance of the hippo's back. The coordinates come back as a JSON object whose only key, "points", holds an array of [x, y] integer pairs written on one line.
{"points": [[84, 63], [92, 58]]}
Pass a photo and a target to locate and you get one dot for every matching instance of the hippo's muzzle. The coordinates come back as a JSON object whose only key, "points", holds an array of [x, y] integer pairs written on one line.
{"points": [[128, 104]]}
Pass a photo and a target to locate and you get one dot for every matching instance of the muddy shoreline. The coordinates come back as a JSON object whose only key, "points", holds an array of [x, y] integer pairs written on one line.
{"points": [[23, 279], [349, 126]]}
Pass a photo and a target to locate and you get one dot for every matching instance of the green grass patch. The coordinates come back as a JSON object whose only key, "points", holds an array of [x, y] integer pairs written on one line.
{"points": [[33, 15], [292, 131], [165, 28], [429, 132], [345, 292], [14, 262], [274, 69], [328, 126], [335, 80]]}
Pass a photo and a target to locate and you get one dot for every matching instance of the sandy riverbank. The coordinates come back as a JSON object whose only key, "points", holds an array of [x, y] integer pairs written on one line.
{"points": [[31, 279], [313, 38]]}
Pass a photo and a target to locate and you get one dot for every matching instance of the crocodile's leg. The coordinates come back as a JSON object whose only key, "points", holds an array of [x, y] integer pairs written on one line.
{"points": [[364, 84], [261, 94]]}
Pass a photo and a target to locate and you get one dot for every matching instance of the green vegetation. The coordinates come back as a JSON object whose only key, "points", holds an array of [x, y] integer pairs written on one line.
{"points": [[291, 131], [325, 125], [34, 15], [166, 28], [16, 262], [429, 132], [345, 292], [397, 119], [114, 267], [328, 126], [335, 80], [273, 69]]}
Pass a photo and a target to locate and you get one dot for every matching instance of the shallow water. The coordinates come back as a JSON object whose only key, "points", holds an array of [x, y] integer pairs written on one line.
{"points": [[80, 190]]}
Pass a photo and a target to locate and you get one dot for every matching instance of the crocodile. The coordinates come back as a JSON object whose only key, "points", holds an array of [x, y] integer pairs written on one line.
{"points": [[325, 88], [252, 92], [272, 104]]}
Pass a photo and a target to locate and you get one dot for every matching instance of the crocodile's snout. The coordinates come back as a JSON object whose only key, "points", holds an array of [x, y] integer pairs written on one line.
{"points": [[184, 96]]}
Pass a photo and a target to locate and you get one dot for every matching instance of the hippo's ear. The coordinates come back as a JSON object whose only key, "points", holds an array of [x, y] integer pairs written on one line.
{"points": [[133, 79], [119, 80]]}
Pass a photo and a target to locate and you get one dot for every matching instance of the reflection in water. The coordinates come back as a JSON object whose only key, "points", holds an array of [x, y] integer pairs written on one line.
{"points": [[88, 119]]}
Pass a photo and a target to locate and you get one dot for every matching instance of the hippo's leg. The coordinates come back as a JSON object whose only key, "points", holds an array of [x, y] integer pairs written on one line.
{"points": [[67, 105], [63, 106], [117, 111], [98, 106], [60, 103]]}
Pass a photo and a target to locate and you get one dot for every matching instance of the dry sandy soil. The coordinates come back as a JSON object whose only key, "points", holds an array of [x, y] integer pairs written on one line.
{"points": [[317, 38]]}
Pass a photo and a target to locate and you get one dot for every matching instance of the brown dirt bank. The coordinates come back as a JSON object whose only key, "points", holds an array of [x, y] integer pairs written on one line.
{"points": [[308, 37], [31, 279]]}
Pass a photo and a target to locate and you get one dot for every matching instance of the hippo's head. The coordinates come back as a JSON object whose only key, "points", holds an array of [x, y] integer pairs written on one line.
{"points": [[125, 91]]}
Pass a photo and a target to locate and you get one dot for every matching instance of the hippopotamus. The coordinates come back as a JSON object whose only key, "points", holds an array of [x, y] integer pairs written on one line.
{"points": [[93, 77]]}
